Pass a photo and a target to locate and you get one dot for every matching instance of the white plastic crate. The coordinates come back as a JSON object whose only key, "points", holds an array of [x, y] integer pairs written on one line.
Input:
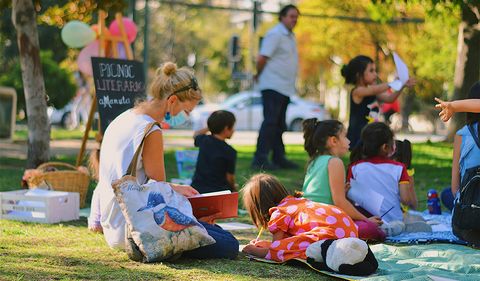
{"points": [[38, 205]]}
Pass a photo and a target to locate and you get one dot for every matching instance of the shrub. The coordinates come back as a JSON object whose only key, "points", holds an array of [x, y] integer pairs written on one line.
{"points": [[59, 83]]}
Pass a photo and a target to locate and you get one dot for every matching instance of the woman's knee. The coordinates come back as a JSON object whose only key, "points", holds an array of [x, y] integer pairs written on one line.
{"points": [[226, 245], [230, 248]]}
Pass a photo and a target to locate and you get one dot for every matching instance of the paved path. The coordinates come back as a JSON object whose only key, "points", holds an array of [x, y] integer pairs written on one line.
{"points": [[173, 139]]}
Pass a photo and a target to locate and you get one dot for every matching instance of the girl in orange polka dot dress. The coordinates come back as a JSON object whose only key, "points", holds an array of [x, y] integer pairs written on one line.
{"points": [[295, 222]]}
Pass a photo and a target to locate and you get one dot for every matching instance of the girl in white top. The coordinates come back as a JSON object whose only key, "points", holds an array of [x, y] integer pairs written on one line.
{"points": [[175, 94], [370, 166]]}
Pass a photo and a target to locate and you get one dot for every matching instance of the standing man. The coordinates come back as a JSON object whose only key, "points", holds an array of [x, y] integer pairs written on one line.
{"points": [[277, 66]]}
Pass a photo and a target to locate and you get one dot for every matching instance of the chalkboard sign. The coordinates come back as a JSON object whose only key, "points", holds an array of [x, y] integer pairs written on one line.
{"points": [[118, 84]]}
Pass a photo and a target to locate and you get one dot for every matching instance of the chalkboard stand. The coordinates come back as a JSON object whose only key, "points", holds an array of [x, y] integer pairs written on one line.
{"points": [[123, 38]]}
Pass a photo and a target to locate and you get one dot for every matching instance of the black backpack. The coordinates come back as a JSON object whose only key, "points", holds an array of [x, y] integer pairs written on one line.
{"points": [[466, 212]]}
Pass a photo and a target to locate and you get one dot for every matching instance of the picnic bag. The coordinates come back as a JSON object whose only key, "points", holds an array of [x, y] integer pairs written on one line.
{"points": [[466, 212], [160, 221]]}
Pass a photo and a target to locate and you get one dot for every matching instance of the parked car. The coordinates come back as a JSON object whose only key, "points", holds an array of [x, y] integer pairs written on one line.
{"points": [[248, 110], [60, 116], [63, 117]]}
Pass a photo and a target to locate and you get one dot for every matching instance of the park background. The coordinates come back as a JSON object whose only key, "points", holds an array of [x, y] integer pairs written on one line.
{"points": [[438, 40]]}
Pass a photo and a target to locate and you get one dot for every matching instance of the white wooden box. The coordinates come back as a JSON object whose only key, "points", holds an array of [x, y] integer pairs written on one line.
{"points": [[40, 206]]}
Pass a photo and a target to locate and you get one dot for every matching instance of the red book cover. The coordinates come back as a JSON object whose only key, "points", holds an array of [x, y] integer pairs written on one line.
{"points": [[208, 204]]}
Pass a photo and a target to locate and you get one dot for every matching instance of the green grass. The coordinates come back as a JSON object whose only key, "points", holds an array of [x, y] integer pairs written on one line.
{"points": [[58, 134], [32, 251], [64, 134]]}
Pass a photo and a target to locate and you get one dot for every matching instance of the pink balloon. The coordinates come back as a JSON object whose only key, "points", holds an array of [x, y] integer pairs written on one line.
{"points": [[84, 58], [130, 29]]}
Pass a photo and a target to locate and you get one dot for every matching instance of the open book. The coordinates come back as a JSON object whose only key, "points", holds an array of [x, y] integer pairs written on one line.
{"points": [[208, 204]]}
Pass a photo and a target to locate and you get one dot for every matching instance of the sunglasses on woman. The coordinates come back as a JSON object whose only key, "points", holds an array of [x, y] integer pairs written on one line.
{"points": [[193, 84]]}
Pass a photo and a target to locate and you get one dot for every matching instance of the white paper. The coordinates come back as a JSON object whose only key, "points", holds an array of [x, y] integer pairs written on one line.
{"points": [[213, 193], [235, 226], [366, 197], [396, 85], [402, 71]]}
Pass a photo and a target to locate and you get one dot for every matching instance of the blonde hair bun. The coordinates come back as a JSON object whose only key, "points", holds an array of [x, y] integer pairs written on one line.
{"points": [[169, 68], [170, 78]]}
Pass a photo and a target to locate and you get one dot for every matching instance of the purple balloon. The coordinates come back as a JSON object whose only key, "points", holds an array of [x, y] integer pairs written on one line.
{"points": [[122, 53]]}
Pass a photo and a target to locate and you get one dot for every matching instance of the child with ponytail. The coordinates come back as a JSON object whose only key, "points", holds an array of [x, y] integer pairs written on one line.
{"points": [[325, 142], [370, 166], [403, 154]]}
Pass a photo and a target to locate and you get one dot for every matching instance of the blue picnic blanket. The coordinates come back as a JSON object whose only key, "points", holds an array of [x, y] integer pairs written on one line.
{"points": [[441, 231], [415, 262]]}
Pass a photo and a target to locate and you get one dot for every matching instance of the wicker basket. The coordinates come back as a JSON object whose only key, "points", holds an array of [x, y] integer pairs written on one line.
{"points": [[64, 180]]}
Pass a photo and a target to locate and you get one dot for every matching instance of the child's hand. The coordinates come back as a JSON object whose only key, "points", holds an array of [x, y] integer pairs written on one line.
{"points": [[248, 249], [411, 82], [251, 249], [261, 243], [254, 250], [202, 131], [347, 187], [447, 110], [376, 220]]}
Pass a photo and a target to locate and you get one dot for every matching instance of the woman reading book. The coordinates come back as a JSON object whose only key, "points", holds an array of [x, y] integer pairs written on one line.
{"points": [[175, 94]]}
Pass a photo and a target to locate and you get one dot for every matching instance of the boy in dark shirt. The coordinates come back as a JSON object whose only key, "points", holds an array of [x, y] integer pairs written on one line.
{"points": [[216, 159]]}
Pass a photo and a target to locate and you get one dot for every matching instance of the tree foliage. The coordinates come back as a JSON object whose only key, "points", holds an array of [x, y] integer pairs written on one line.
{"points": [[467, 62], [178, 31], [59, 86], [52, 15], [24, 15], [428, 48], [325, 42]]}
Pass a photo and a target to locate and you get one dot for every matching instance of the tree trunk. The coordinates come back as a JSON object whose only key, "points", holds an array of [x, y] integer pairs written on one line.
{"points": [[24, 17], [467, 67]]}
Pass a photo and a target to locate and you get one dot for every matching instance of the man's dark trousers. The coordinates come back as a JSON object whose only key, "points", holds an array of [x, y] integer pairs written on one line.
{"points": [[273, 126]]}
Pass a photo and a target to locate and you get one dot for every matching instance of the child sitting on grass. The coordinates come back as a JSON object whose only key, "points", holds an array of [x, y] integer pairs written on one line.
{"points": [[295, 222], [403, 154], [216, 161], [325, 142], [370, 166], [466, 156]]}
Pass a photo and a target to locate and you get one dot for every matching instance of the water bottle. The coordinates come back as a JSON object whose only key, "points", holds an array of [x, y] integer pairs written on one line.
{"points": [[433, 202]]}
